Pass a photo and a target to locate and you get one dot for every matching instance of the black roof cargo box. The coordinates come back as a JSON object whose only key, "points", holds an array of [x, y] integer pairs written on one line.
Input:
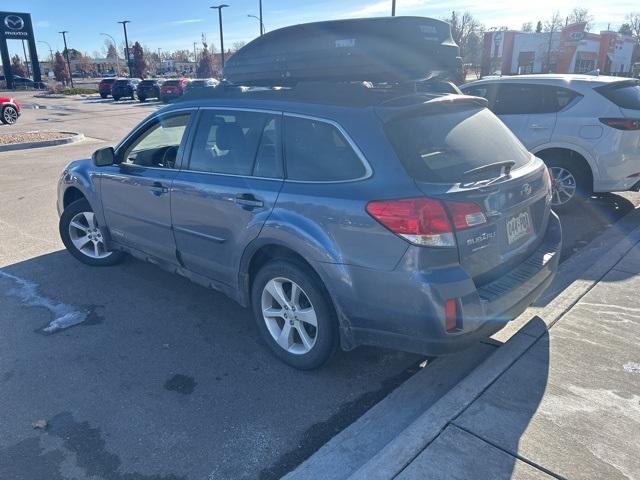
{"points": [[388, 49]]}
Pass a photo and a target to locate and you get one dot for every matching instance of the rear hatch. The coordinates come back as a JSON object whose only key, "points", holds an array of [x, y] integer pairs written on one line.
{"points": [[494, 191]]}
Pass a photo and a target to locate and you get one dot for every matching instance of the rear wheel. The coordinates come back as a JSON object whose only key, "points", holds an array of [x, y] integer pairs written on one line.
{"points": [[9, 115], [142, 99], [83, 237], [103, 95], [116, 98], [294, 314], [570, 181]]}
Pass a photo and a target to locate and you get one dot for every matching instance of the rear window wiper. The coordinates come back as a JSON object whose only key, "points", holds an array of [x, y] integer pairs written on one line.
{"points": [[505, 167]]}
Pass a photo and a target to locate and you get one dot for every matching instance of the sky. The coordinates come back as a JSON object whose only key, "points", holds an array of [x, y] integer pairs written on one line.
{"points": [[177, 24]]}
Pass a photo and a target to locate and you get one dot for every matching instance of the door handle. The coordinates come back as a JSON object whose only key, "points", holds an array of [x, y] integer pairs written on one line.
{"points": [[536, 126], [248, 201], [158, 189]]}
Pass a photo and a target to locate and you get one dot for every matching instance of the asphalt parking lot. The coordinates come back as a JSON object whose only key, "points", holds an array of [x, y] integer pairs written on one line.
{"points": [[163, 379]]}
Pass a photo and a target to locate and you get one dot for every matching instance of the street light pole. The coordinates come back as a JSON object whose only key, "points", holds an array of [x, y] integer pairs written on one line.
{"points": [[26, 59], [50, 50], [393, 8], [219, 8], [261, 22], [126, 45], [261, 25], [66, 54], [115, 47]]}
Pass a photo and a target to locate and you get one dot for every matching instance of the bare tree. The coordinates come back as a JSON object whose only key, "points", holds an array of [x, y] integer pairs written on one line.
{"points": [[527, 27], [463, 27], [551, 26], [60, 70], [578, 15], [633, 20], [237, 46], [17, 66], [139, 62]]}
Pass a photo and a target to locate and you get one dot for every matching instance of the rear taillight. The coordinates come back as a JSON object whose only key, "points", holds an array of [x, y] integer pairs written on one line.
{"points": [[622, 123], [451, 315], [421, 221], [548, 186], [425, 221]]}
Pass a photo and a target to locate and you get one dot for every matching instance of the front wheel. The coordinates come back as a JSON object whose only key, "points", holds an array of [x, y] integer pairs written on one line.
{"points": [[103, 95], [83, 237], [142, 99], [116, 98], [294, 314]]}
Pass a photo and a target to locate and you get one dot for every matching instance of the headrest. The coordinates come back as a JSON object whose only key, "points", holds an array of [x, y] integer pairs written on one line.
{"points": [[229, 137]]}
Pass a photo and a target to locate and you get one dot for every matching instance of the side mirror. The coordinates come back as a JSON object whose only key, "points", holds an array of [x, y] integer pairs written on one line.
{"points": [[104, 157]]}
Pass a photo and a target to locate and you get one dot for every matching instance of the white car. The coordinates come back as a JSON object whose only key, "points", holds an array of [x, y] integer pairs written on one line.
{"points": [[585, 128]]}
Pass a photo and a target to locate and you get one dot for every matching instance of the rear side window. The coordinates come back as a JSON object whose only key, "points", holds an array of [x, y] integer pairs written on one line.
{"points": [[316, 151], [237, 143], [442, 147], [623, 94]]}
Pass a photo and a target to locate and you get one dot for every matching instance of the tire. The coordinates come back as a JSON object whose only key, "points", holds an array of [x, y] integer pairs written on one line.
{"points": [[142, 99], [103, 95], [81, 214], [9, 115], [313, 305], [570, 175], [115, 99]]}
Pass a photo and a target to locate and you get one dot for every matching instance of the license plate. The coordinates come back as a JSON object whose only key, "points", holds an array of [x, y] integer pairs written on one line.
{"points": [[519, 226]]}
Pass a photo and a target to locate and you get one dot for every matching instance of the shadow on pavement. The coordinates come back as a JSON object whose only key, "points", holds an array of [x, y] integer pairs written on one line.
{"points": [[165, 377]]}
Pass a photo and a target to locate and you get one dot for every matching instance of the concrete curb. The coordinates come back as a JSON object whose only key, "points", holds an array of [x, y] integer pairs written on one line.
{"points": [[76, 137], [400, 452]]}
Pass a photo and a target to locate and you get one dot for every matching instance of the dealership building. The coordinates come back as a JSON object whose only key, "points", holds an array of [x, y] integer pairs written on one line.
{"points": [[570, 50]]}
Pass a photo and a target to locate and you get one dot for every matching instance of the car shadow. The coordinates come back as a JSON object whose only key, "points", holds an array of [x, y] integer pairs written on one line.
{"points": [[159, 357], [487, 438]]}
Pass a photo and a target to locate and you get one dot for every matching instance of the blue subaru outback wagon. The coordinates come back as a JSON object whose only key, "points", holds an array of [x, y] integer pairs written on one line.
{"points": [[418, 222]]}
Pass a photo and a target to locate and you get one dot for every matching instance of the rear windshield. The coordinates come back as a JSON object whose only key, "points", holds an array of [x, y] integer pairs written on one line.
{"points": [[148, 82], [121, 82], [172, 83], [623, 94], [441, 147]]}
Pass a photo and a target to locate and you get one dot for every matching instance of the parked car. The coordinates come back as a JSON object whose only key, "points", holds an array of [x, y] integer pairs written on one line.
{"points": [[104, 87], [585, 128], [149, 88], [10, 110], [22, 83], [416, 223], [124, 88], [200, 83], [172, 89]]}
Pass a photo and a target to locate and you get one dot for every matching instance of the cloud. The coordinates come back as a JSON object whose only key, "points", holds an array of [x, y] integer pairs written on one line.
{"points": [[187, 21]]}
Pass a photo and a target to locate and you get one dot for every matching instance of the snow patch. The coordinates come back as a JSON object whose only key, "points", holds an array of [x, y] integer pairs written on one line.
{"points": [[64, 316], [631, 367]]}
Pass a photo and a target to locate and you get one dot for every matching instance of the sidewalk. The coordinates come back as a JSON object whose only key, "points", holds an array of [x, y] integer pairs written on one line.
{"points": [[569, 407], [556, 394], [566, 406]]}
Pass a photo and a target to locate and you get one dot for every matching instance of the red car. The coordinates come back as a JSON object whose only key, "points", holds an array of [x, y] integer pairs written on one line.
{"points": [[104, 87], [10, 110], [173, 89]]}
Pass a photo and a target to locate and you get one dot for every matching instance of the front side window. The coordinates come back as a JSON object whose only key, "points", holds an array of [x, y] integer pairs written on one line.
{"points": [[316, 151], [238, 143], [157, 146], [517, 99]]}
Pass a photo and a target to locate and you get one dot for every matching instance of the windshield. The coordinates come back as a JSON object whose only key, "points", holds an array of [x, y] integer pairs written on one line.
{"points": [[442, 147]]}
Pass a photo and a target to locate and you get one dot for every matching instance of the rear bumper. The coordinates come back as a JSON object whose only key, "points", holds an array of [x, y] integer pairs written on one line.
{"points": [[405, 311]]}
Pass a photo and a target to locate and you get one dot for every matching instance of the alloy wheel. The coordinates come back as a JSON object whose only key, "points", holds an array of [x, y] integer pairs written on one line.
{"points": [[289, 316], [564, 185], [86, 236], [10, 115]]}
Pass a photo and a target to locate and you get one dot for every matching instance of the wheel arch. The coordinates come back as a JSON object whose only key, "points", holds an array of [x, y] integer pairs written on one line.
{"points": [[72, 194], [575, 153]]}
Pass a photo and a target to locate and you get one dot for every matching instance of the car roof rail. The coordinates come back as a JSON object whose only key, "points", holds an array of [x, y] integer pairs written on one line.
{"points": [[360, 93]]}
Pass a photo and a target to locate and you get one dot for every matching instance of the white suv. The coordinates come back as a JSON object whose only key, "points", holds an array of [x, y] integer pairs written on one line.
{"points": [[585, 128]]}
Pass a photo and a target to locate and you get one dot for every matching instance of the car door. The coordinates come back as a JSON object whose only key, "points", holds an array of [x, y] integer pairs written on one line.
{"points": [[523, 108], [228, 188], [135, 192]]}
